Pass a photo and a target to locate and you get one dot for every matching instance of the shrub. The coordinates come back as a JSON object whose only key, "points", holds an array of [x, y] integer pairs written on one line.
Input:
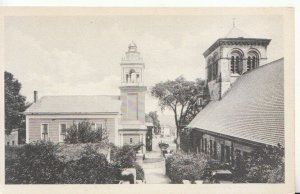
{"points": [[140, 175], [266, 164], [124, 157], [92, 169], [182, 166], [84, 133], [36, 163]]}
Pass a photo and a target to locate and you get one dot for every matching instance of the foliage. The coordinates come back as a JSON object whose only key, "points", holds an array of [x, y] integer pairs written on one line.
{"points": [[140, 175], [83, 132], [90, 169], [266, 164], [48, 163], [35, 163], [124, 157], [15, 104], [153, 118], [186, 167], [185, 98]]}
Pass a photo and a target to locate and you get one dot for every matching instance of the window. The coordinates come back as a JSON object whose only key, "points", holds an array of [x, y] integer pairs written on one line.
{"points": [[245, 155], [205, 145], [130, 140], [62, 132], [45, 132], [7, 143], [99, 126], [13, 142], [236, 63], [215, 150], [127, 77], [211, 147], [227, 150], [252, 61], [222, 152]]}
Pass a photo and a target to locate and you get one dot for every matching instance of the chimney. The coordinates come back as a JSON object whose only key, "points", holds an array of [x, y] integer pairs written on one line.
{"points": [[35, 95]]}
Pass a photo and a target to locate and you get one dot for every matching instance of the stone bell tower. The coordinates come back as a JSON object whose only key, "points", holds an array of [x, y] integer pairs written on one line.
{"points": [[231, 57], [132, 127]]}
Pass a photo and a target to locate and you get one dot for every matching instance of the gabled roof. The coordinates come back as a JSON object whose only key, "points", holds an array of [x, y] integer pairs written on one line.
{"points": [[253, 108], [76, 105]]}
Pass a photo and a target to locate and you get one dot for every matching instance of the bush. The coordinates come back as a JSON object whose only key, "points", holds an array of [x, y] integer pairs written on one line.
{"points": [[124, 157], [36, 163], [84, 133], [48, 163], [92, 169], [182, 166], [140, 175], [266, 165]]}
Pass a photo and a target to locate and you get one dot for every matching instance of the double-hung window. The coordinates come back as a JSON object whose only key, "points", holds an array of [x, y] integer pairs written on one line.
{"points": [[45, 132], [62, 132]]}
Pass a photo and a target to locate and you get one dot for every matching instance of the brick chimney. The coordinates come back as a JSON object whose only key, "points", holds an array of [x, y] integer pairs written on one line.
{"points": [[35, 96]]}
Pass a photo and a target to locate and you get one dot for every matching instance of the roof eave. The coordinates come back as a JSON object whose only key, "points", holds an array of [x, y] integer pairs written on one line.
{"points": [[246, 141], [224, 40]]}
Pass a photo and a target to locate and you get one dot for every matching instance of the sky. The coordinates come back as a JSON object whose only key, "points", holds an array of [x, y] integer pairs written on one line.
{"points": [[81, 55]]}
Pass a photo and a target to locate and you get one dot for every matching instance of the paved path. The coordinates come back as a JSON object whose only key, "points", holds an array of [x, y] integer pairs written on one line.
{"points": [[154, 167]]}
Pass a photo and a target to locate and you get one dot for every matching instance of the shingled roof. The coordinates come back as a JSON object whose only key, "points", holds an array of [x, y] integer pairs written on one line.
{"points": [[253, 108], [75, 105]]}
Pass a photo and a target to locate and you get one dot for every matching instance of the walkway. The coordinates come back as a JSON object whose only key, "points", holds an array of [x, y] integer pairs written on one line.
{"points": [[154, 166]]}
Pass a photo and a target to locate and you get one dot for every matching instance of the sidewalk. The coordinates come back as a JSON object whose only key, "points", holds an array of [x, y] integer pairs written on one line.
{"points": [[154, 167]]}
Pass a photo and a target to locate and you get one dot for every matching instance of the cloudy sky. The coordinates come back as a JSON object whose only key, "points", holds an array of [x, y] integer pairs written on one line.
{"points": [[81, 55]]}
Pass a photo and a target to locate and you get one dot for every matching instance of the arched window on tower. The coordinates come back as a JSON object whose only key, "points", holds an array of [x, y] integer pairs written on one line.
{"points": [[252, 60], [127, 78], [236, 63], [132, 75]]}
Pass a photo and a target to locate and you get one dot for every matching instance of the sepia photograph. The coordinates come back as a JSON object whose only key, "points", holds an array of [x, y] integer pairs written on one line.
{"points": [[148, 96]]}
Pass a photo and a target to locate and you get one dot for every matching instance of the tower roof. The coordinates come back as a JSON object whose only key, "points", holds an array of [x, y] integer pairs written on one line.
{"points": [[236, 33]]}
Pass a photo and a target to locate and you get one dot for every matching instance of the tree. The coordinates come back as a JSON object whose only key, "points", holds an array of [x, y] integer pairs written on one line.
{"points": [[15, 104], [185, 98], [153, 118], [84, 132]]}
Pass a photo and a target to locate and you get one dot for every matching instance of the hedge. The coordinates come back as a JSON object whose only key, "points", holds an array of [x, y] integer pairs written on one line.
{"points": [[44, 163], [186, 167]]}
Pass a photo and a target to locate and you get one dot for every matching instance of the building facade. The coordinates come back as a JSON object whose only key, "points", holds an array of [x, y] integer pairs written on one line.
{"points": [[247, 99], [122, 116]]}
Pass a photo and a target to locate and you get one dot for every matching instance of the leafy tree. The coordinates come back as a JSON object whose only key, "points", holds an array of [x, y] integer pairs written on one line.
{"points": [[15, 104], [84, 132], [185, 98], [153, 118]]}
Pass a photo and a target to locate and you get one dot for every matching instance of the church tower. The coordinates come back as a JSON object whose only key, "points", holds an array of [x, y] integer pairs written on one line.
{"points": [[132, 126], [231, 57]]}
